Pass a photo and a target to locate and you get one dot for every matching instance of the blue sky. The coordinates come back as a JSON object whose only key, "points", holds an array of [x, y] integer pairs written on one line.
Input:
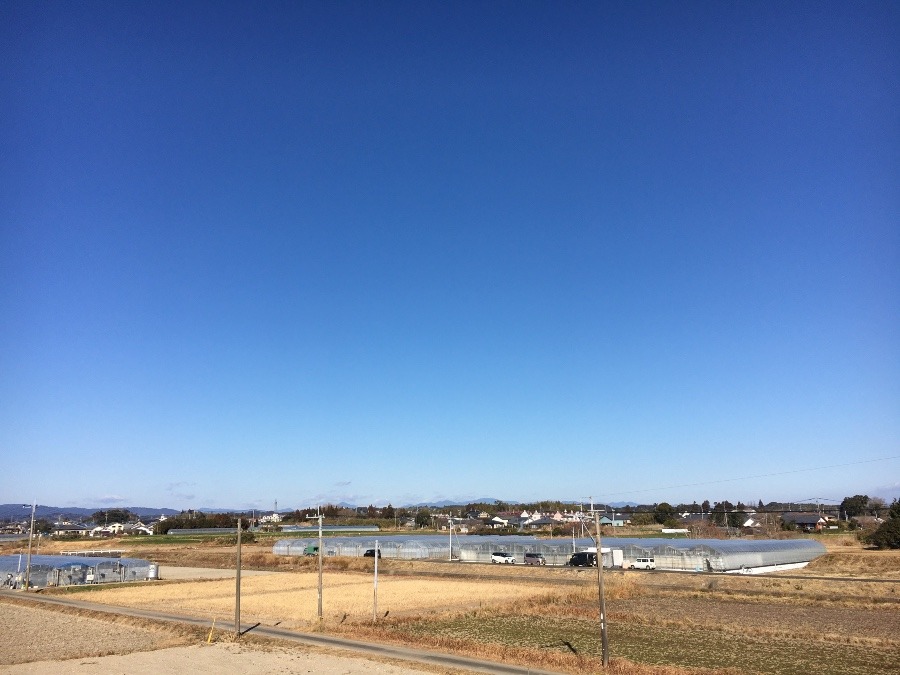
{"points": [[404, 252]]}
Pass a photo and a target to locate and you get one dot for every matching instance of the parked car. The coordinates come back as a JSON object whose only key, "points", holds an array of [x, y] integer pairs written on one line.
{"points": [[535, 559], [370, 553], [500, 557], [583, 560], [311, 550], [643, 564]]}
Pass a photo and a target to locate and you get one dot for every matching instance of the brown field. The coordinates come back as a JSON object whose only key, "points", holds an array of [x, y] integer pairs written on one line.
{"points": [[102, 644], [291, 599], [547, 618]]}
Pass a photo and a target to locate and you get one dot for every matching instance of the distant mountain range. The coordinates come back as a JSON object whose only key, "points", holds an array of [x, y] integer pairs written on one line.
{"points": [[20, 512], [444, 503]]}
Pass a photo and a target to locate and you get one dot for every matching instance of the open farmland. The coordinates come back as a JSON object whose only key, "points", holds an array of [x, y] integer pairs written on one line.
{"points": [[103, 644], [841, 614], [291, 599], [547, 617]]}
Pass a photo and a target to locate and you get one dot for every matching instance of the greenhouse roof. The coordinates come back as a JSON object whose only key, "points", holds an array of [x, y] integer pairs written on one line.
{"points": [[499, 541], [722, 546], [14, 563]]}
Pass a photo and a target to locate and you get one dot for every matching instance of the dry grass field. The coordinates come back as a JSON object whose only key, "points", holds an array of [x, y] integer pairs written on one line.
{"points": [[41, 641], [659, 624], [291, 599], [22, 626]]}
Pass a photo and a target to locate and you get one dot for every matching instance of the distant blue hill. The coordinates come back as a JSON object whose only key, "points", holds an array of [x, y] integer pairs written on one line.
{"points": [[20, 512], [444, 503]]}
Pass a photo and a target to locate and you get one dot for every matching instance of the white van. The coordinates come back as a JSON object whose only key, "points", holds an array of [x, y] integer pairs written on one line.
{"points": [[643, 564]]}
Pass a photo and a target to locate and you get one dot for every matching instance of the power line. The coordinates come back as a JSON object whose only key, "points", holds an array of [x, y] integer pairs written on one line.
{"points": [[762, 475]]}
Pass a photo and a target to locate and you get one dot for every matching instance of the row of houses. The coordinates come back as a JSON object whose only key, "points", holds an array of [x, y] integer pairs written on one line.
{"points": [[110, 530], [480, 520], [536, 521], [808, 522], [816, 522], [473, 520], [524, 520]]}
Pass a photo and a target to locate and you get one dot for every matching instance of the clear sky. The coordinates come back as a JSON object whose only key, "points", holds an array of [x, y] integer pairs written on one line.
{"points": [[411, 251]]}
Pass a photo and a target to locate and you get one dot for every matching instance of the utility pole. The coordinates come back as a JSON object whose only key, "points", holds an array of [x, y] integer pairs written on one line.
{"points": [[604, 641], [375, 585], [321, 552], [237, 583], [319, 518], [30, 537]]}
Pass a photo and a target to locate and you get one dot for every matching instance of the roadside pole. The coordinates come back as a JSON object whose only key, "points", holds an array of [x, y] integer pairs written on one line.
{"points": [[320, 568], [604, 642], [237, 585], [30, 537], [375, 588], [319, 517]]}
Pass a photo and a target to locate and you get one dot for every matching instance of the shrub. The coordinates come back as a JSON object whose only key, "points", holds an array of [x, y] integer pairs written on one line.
{"points": [[231, 539], [887, 535], [643, 519]]}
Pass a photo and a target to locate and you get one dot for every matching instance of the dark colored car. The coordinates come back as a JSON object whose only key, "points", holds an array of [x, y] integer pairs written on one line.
{"points": [[370, 553], [583, 560]]}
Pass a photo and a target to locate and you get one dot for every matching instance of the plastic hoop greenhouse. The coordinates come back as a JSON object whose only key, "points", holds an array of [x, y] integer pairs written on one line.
{"points": [[710, 555], [66, 570]]}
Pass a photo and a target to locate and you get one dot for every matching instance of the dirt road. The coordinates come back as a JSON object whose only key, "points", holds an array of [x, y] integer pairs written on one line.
{"points": [[38, 641]]}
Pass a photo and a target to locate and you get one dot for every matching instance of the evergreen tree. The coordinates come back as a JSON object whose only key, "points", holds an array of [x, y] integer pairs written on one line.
{"points": [[894, 511], [854, 506], [887, 535]]}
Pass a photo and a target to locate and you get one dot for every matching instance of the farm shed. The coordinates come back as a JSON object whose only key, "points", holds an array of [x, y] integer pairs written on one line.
{"points": [[66, 570], [716, 555]]}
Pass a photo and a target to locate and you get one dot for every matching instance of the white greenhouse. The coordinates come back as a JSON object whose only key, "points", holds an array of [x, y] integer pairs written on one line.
{"points": [[67, 570], [699, 555]]}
